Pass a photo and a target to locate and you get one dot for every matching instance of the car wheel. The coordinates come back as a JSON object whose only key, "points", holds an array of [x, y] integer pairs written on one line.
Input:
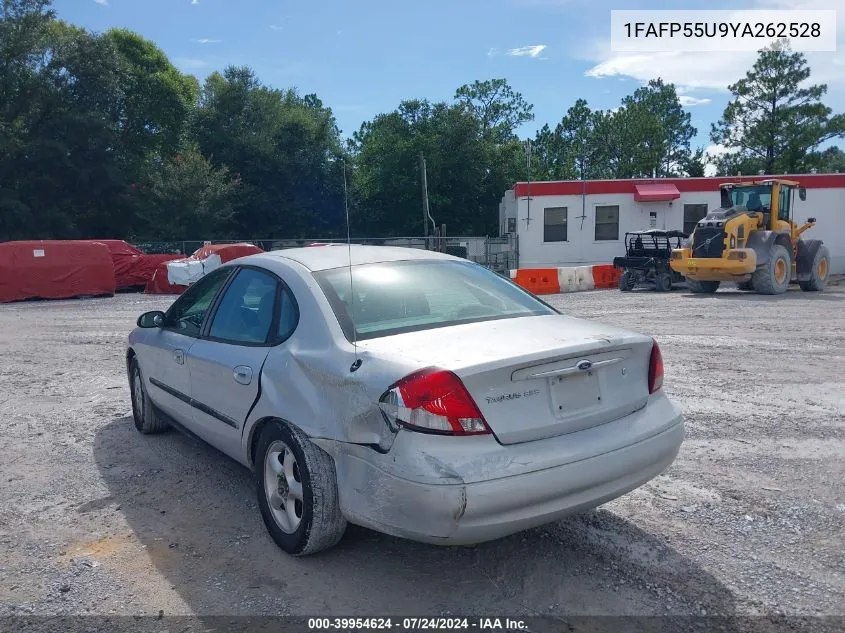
{"points": [[297, 491], [144, 414], [627, 281]]}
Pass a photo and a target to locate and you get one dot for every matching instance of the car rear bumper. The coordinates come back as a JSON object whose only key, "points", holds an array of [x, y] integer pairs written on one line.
{"points": [[497, 504]]}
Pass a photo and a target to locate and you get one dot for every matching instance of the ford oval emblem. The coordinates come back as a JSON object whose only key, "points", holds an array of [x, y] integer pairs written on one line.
{"points": [[584, 365]]}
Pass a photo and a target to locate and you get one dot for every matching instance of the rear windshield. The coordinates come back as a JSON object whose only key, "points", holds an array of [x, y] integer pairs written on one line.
{"points": [[406, 296]]}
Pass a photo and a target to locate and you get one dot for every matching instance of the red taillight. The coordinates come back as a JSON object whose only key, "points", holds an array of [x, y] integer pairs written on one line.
{"points": [[434, 401], [655, 369]]}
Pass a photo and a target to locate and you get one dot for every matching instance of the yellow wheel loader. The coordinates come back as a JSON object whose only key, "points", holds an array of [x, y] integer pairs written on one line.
{"points": [[753, 241]]}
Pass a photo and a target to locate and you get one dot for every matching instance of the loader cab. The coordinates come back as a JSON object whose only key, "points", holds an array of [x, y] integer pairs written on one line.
{"points": [[772, 198]]}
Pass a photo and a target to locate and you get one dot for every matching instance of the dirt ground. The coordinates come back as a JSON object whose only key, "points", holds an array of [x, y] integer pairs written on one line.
{"points": [[97, 519]]}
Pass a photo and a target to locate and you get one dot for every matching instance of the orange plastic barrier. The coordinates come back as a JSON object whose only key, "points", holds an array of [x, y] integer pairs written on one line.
{"points": [[606, 276], [540, 281]]}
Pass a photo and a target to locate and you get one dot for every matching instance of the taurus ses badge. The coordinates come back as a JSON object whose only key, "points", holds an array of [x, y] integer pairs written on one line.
{"points": [[584, 365]]}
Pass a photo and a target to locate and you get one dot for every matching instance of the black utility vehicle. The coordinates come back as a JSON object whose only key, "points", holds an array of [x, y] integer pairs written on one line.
{"points": [[646, 260]]}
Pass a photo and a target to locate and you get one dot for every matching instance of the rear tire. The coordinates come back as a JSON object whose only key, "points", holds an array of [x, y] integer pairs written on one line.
{"points": [[819, 272], [146, 417], [663, 282], [627, 281], [297, 491], [772, 278], [703, 287]]}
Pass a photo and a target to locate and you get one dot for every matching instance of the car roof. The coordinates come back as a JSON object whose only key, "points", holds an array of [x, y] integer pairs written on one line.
{"points": [[337, 255]]}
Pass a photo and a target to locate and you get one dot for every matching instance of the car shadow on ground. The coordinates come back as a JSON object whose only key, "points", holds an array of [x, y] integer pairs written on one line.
{"points": [[193, 511]]}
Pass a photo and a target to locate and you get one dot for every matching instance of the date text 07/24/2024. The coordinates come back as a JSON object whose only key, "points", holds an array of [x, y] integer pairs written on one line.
{"points": [[416, 624]]}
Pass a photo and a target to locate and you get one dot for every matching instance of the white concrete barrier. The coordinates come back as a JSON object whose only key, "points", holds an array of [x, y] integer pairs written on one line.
{"points": [[584, 278]]}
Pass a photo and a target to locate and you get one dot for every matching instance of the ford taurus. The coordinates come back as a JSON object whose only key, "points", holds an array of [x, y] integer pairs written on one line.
{"points": [[407, 391]]}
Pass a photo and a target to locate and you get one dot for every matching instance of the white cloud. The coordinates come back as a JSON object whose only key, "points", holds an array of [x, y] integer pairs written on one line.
{"points": [[492, 52], [195, 1], [688, 101], [688, 70], [102, 3], [191, 63], [717, 70], [205, 40], [275, 27], [527, 51], [712, 152]]}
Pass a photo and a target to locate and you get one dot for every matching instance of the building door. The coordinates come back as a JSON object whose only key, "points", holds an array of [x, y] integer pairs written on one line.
{"points": [[655, 217]]}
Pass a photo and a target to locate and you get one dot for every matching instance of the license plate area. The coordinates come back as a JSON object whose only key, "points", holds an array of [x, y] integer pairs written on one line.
{"points": [[574, 393]]}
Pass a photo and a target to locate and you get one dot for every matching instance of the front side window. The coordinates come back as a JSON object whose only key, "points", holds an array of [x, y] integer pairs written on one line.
{"points": [[783, 203], [246, 310], [187, 313], [396, 297]]}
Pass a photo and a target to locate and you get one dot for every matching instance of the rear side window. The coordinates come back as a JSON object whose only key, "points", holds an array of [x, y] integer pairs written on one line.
{"points": [[245, 313], [396, 297]]}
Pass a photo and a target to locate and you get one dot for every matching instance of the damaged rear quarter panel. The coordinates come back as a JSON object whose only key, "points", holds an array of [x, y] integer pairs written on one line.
{"points": [[307, 381]]}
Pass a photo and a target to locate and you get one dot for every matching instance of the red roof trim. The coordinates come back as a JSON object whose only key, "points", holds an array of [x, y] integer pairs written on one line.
{"points": [[656, 193], [684, 185]]}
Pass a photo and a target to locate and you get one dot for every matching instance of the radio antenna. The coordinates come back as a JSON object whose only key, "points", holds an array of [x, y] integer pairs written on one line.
{"points": [[358, 361]]}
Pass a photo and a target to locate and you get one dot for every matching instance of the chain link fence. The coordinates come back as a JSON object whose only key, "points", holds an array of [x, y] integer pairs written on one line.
{"points": [[500, 254]]}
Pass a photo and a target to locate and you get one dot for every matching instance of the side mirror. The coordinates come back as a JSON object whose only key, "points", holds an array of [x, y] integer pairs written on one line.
{"points": [[811, 220], [802, 193], [151, 319]]}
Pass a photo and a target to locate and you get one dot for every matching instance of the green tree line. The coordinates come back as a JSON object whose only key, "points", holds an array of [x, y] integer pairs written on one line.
{"points": [[102, 136]]}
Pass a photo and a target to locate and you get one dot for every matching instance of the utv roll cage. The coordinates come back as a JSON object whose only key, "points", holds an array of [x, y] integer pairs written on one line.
{"points": [[646, 260]]}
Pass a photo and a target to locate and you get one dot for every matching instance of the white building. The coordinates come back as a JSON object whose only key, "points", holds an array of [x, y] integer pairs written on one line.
{"points": [[584, 222]]}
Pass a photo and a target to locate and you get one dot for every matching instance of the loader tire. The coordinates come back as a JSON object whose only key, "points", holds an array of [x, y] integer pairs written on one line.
{"points": [[744, 285], [701, 287], [819, 272], [772, 278]]}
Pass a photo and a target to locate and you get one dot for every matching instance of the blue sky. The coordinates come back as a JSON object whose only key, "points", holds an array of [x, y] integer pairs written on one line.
{"points": [[363, 56]]}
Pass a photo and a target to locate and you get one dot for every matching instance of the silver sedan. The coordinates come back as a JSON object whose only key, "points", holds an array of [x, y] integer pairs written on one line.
{"points": [[407, 391]]}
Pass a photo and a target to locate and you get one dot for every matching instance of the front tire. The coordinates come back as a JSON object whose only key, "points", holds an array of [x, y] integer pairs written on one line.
{"points": [[627, 281], [144, 414], [819, 272], [297, 491], [773, 277], [703, 287]]}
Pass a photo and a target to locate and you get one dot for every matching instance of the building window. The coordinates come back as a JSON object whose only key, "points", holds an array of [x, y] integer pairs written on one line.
{"points": [[511, 225], [554, 224], [607, 222], [692, 214]]}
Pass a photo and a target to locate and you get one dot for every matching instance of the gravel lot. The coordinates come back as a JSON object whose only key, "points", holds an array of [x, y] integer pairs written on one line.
{"points": [[97, 519]]}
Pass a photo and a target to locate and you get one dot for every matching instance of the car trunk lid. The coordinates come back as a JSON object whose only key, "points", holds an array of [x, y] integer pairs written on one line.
{"points": [[535, 377]]}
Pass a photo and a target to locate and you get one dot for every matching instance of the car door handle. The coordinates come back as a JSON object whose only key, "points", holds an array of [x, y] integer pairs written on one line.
{"points": [[242, 374], [179, 356]]}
